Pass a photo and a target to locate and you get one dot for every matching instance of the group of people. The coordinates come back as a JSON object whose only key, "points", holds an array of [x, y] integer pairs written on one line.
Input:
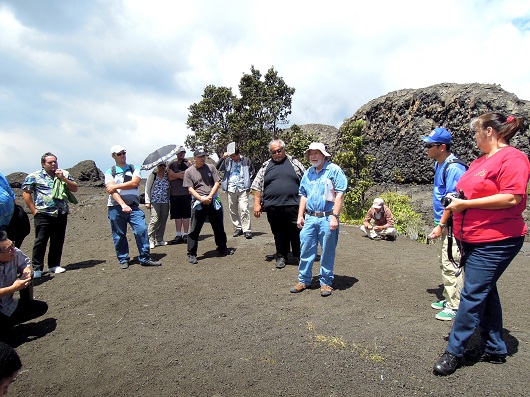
{"points": [[481, 227]]}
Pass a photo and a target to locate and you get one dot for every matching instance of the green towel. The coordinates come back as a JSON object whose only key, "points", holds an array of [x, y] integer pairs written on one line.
{"points": [[61, 192]]}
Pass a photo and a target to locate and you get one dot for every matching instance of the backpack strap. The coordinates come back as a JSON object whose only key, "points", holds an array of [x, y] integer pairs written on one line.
{"points": [[113, 169], [452, 161]]}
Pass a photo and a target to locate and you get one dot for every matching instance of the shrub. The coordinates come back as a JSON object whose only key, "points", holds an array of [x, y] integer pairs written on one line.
{"points": [[406, 220]]}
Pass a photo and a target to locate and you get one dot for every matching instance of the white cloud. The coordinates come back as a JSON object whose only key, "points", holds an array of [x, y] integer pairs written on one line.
{"points": [[78, 77]]}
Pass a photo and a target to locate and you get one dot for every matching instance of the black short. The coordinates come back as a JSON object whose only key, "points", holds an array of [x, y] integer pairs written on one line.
{"points": [[180, 207]]}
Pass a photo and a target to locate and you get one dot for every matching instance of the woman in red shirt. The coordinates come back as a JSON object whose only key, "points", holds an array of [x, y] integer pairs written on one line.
{"points": [[490, 230]]}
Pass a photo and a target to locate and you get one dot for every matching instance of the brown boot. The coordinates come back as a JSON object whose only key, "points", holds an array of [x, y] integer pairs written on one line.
{"points": [[298, 288], [325, 290]]}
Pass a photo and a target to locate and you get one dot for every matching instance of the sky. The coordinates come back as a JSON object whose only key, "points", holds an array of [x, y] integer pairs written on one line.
{"points": [[78, 76]]}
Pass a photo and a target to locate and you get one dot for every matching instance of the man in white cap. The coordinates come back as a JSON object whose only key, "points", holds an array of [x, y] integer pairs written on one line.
{"points": [[237, 178], [379, 222], [322, 190], [121, 183]]}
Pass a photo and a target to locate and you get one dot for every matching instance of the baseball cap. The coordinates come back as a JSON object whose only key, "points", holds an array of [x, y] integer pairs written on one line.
{"points": [[378, 203], [231, 148], [181, 149], [116, 149], [438, 135], [199, 153], [317, 146]]}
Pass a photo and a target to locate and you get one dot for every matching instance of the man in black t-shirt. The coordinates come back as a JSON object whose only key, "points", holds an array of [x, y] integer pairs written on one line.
{"points": [[180, 198], [276, 192]]}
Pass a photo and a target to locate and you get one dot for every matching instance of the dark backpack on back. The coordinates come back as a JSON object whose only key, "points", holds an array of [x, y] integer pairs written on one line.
{"points": [[453, 161]]}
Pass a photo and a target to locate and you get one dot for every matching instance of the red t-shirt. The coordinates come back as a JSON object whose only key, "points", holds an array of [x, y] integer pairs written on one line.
{"points": [[506, 172]]}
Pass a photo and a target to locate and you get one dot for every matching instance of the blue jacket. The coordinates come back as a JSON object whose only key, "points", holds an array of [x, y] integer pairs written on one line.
{"points": [[226, 165]]}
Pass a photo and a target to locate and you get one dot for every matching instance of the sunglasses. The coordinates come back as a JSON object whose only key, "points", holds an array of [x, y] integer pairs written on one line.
{"points": [[431, 145], [9, 249], [277, 151], [122, 153]]}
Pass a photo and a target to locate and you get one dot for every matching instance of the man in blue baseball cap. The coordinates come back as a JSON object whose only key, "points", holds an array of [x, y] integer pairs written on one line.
{"points": [[447, 171]]}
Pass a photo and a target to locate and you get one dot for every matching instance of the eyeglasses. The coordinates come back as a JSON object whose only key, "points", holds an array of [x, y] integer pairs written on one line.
{"points": [[277, 151], [9, 249], [122, 153], [431, 145]]}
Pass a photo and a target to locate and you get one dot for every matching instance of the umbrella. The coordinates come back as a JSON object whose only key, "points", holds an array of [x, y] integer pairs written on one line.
{"points": [[162, 154]]}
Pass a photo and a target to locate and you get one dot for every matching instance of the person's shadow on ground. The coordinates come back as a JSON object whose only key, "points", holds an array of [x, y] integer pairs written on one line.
{"points": [[84, 264], [30, 331], [340, 283]]}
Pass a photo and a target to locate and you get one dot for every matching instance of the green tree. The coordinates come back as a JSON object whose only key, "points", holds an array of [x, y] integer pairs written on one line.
{"points": [[355, 164], [251, 121], [211, 119]]}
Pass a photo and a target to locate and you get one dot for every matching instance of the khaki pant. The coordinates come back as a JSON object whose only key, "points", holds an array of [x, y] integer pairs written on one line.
{"points": [[452, 285], [239, 213]]}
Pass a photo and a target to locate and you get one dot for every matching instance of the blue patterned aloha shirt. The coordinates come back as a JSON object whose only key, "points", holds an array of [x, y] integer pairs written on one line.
{"points": [[40, 184]]}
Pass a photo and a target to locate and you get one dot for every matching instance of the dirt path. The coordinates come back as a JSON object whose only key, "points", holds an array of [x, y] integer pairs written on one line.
{"points": [[230, 327]]}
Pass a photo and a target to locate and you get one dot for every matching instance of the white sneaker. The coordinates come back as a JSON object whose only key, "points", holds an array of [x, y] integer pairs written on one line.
{"points": [[161, 243], [151, 245], [37, 274], [57, 269]]}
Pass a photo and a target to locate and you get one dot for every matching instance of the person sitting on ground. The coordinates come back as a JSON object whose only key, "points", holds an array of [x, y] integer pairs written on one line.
{"points": [[383, 222], [157, 201], [10, 365], [15, 275]]}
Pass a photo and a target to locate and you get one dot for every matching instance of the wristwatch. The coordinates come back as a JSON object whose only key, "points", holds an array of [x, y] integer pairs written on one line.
{"points": [[336, 216], [442, 225]]}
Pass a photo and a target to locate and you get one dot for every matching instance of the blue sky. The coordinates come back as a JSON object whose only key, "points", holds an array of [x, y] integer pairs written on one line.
{"points": [[78, 76]]}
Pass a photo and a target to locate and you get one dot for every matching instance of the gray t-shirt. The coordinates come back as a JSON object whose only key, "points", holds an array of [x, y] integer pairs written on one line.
{"points": [[202, 179]]}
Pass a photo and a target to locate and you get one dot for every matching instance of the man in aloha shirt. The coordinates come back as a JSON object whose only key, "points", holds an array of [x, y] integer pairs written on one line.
{"points": [[50, 215]]}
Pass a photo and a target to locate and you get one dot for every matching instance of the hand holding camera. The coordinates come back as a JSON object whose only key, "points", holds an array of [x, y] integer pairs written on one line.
{"points": [[450, 203]]}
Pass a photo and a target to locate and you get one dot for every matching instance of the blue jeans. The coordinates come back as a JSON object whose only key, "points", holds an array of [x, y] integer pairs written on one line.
{"points": [[118, 224], [316, 230], [480, 305]]}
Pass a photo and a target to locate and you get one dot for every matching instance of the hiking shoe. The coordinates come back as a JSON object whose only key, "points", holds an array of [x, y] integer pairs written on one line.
{"points": [[161, 243], [192, 259], [446, 314], [248, 235], [37, 273], [151, 245], [325, 290], [57, 269], [440, 305], [482, 356], [124, 265], [446, 364], [237, 233], [298, 288], [185, 238], [151, 262], [280, 263]]}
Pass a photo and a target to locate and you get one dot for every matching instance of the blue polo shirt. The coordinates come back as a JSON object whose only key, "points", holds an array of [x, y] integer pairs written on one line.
{"points": [[320, 188]]}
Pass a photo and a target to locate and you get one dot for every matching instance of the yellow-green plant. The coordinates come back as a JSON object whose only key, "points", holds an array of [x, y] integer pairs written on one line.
{"points": [[406, 220]]}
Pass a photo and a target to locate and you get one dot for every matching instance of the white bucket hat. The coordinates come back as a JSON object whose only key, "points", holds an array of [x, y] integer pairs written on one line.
{"points": [[317, 146]]}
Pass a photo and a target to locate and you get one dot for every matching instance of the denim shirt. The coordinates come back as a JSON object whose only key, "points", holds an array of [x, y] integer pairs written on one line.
{"points": [[320, 188]]}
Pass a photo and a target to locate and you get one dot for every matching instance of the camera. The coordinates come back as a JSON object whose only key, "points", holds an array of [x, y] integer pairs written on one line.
{"points": [[447, 199]]}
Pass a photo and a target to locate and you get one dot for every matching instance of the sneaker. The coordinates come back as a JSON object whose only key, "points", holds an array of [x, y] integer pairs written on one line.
{"points": [[238, 232], [248, 235], [151, 262], [57, 269], [124, 265], [325, 290], [440, 305], [280, 263], [446, 314], [298, 288], [151, 245], [37, 273], [192, 259], [160, 243]]}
